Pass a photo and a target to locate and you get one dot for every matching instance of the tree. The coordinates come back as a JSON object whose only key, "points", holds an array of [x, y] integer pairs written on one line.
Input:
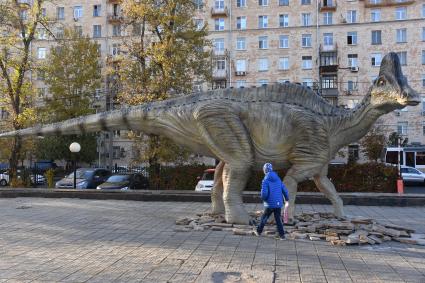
{"points": [[18, 24], [164, 57], [373, 143], [72, 73]]}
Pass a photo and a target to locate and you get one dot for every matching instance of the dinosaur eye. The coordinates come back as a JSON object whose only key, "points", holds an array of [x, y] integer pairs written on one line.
{"points": [[381, 82]]}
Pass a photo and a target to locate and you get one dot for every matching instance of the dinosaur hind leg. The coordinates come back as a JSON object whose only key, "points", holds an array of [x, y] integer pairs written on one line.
{"points": [[328, 189], [217, 191]]}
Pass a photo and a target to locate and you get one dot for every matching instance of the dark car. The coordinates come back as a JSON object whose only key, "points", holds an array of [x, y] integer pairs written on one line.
{"points": [[87, 178], [125, 182]]}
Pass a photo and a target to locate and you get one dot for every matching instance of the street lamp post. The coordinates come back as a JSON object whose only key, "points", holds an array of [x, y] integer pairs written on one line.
{"points": [[75, 147], [400, 185]]}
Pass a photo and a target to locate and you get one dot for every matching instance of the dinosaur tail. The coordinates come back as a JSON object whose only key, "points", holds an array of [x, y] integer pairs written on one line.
{"points": [[106, 121]]}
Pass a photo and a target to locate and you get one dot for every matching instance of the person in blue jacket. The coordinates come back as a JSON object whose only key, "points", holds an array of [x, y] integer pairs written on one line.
{"points": [[273, 194]]}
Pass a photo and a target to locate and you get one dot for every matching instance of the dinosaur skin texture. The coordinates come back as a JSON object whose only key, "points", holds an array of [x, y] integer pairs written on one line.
{"points": [[287, 125]]}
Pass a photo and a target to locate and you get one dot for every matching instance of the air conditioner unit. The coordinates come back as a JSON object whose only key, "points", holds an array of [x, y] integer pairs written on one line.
{"points": [[240, 73], [354, 69]]}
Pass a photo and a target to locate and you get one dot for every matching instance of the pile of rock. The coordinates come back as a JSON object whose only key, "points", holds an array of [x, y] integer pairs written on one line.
{"points": [[313, 226]]}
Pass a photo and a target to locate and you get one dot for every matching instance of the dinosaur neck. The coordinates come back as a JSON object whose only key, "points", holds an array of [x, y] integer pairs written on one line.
{"points": [[356, 123]]}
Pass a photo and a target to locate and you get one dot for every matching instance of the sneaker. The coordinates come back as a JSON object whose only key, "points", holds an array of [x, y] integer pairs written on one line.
{"points": [[281, 237], [255, 232]]}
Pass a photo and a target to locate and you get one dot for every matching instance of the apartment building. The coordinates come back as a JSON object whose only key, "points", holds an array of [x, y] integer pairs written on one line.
{"points": [[333, 46]]}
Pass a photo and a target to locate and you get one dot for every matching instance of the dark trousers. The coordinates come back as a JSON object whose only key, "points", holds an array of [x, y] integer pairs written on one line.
{"points": [[277, 218]]}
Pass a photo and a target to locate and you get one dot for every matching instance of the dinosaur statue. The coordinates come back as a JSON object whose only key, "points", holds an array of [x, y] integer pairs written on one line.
{"points": [[285, 124]]}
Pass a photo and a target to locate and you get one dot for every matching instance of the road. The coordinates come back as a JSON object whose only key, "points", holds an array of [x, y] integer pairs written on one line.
{"points": [[414, 189]]}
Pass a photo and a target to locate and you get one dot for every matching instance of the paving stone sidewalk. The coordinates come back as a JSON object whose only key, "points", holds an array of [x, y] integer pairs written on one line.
{"points": [[73, 240]]}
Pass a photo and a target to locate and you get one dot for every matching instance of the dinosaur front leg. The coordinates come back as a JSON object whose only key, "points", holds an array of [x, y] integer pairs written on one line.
{"points": [[217, 204], [234, 181], [328, 189]]}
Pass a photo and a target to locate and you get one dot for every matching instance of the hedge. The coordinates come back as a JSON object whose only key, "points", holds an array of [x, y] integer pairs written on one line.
{"points": [[367, 177]]}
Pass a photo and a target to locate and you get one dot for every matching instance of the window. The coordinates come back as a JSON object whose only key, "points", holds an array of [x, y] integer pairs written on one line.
{"points": [[352, 38], [96, 10], [423, 57], [241, 22], [352, 16], [306, 19], [328, 39], [283, 20], [60, 13], [41, 52], [241, 65], [402, 128], [219, 45], [327, 18], [263, 82], [353, 152], [240, 3], [306, 40], [97, 31], [43, 12], [423, 80], [199, 4], [219, 24], [263, 21], [42, 33], [352, 60], [263, 42], [263, 64], [376, 37], [240, 84], [283, 41], [420, 157], [284, 63], [423, 10], [308, 82], [307, 62], [283, 2], [400, 13], [78, 12], [116, 30], [59, 32], [376, 59], [241, 43], [401, 35], [351, 85], [78, 30], [198, 22], [423, 34], [23, 14], [375, 15], [263, 2], [116, 49], [221, 64], [219, 4], [305, 2], [329, 82]]}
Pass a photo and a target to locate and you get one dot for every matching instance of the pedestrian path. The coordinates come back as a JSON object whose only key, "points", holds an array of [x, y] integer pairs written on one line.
{"points": [[73, 240]]}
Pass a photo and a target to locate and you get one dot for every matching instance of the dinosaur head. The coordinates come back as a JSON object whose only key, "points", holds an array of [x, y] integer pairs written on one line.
{"points": [[390, 90]]}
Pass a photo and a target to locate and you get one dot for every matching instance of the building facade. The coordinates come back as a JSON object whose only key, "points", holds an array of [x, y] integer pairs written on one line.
{"points": [[333, 46]]}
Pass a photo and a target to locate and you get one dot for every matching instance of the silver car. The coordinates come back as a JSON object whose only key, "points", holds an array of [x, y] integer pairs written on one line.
{"points": [[412, 175]]}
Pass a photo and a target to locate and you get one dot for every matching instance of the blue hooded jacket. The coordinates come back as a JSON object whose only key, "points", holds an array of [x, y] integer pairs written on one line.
{"points": [[273, 191]]}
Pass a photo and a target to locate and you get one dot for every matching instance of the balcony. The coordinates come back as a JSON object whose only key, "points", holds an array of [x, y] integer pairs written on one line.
{"points": [[115, 18], [386, 3], [328, 5], [329, 92], [217, 12], [219, 74], [328, 48]]}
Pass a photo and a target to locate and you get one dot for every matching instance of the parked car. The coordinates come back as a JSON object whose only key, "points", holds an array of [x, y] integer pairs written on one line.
{"points": [[132, 181], [205, 182], [5, 179], [412, 175], [87, 178]]}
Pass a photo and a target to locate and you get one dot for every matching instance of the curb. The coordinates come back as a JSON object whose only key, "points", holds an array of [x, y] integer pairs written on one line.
{"points": [[362, 199]]}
